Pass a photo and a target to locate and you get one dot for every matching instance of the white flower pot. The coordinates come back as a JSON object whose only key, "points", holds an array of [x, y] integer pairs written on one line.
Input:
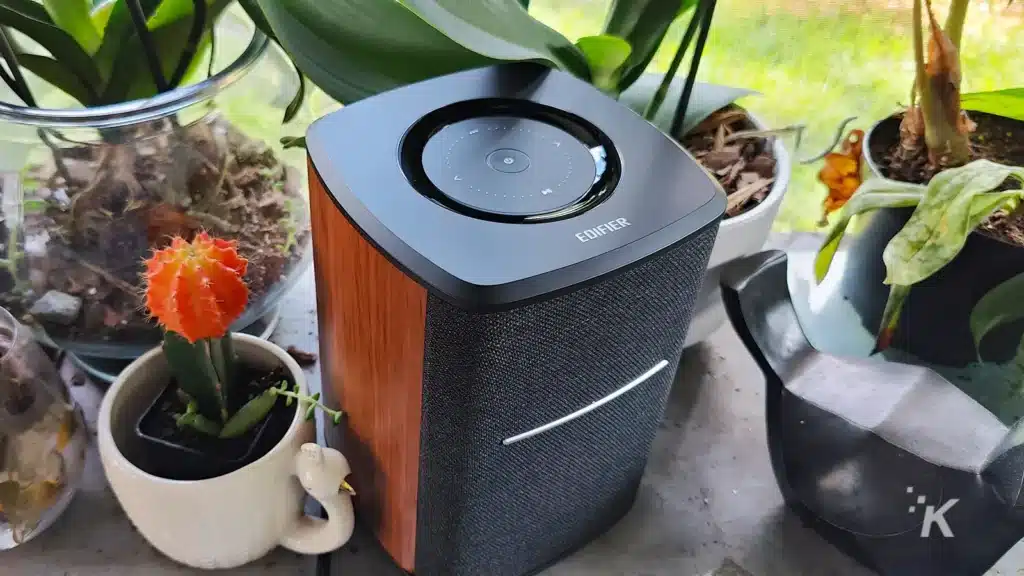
{"points": [[738, 236], [236, 518]]}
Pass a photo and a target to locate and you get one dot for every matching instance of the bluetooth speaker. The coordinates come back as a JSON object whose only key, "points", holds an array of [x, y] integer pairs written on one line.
{"points": [[506, 264]]}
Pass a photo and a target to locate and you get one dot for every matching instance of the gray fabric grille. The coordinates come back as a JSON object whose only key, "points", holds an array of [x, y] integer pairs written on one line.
{"points": [[491, 510]]}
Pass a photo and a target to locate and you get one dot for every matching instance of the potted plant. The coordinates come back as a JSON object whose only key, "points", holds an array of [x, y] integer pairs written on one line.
{"points": [[203, 437], [127, 123], [333, 45], [943, 186]]}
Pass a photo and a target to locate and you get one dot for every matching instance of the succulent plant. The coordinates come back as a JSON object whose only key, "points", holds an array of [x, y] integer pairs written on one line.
{"points": [[195, 291]]}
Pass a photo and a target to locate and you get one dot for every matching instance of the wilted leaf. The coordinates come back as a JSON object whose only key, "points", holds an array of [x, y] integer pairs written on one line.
{"points": [[873, 194], [891, 316], [842, 172], [955, 202], [1001, 305]]}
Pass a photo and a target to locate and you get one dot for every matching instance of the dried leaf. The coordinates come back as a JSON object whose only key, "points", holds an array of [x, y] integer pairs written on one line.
{"points": [[842, 172], [721, 159], [302, 357]]}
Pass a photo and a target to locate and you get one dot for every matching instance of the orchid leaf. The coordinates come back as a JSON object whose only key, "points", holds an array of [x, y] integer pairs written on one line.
{"points": [[606, 55], [119, 33], [1006, 103], [643, 25], [704, 100], [57, 74], [955, 202], [31, 19], [352, 49], [73, 16], [1001, 305], [871, 195], [502, 30]]}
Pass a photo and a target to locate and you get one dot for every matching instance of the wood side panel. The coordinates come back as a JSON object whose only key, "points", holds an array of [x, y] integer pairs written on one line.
{"points": [[372, 320]]}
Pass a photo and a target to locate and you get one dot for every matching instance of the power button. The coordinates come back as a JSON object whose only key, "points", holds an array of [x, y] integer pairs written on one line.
{"points": [[508, 160]]}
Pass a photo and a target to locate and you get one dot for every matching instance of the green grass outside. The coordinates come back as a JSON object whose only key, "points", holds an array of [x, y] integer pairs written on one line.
{"points": [[817, 63]]}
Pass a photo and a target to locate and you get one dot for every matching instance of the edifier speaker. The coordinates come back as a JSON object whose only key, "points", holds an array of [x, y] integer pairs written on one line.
{"points": [[506, 264]]}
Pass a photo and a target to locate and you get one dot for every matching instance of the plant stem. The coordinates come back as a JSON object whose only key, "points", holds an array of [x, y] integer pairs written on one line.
{"points": [[20, 86], [303, 399], [659, 95], [152, 57], [691, 78], [939, 88], [195, 33], [955, 21]]}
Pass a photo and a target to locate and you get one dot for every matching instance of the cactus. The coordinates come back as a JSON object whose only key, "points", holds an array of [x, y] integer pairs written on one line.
{"points": [[195, 291]]}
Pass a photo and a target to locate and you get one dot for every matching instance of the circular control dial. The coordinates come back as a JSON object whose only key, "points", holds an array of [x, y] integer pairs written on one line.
{"points": [[508, 165]]}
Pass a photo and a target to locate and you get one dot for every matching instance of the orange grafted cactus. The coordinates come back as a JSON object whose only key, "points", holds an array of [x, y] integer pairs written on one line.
{"points": [[196, 289]]}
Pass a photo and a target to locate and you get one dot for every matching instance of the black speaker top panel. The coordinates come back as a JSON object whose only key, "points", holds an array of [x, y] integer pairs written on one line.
{"points": [[506, 184]]}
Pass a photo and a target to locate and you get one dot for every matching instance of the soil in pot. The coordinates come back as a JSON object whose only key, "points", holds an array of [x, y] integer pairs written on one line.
{"points": [[183, 453], [996, 138], [743, 165], [94, 212]]}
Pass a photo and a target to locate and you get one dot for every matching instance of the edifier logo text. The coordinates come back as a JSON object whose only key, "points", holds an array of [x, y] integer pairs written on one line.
{"points": [[601, 230]]}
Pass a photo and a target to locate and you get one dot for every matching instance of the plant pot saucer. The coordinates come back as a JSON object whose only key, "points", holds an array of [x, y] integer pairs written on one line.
{"points": [[105, 370]]}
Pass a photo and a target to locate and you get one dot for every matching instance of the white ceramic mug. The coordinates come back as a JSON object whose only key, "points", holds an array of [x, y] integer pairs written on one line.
{"points": [[236, 518]]}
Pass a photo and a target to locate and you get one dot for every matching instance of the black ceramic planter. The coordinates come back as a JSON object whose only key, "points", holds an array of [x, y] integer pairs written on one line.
{"points": [[889, 462], [935, 322], [174, 461]]}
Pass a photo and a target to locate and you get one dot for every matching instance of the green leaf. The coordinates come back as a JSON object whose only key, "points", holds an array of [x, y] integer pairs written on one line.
{"points": [[352, 49], [605, 54], [643, 24], [101, 14], [250, 414], [293, 142], [1001, 305], [73, 16], [502, 30], [59, 76], [873, 194], [1006, 103], [32, 20], [954, 203], [194, 373], [704, 100], [199, 423]]}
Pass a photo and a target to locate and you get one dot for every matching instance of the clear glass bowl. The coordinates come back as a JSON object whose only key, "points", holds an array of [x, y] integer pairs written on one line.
{"points": [[43, 438], [88, 193]]}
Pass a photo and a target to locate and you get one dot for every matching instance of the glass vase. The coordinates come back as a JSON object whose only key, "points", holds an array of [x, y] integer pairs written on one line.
{"points": [[43, 438], [88, 193]]}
